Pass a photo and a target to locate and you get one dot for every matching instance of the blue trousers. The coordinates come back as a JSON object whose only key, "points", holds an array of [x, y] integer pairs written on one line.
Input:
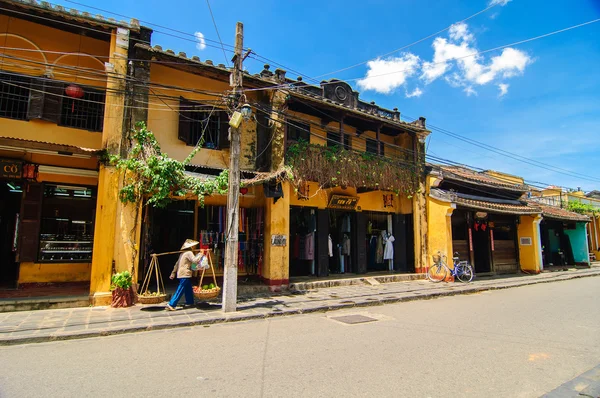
{"points": [[185, 286]]}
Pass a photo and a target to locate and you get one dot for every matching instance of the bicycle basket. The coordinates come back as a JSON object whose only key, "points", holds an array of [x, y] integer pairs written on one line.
{"points": [[436, 258]]}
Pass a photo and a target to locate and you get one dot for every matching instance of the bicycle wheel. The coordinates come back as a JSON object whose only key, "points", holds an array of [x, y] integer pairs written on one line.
{"points": [[437, 273], [464, 272]]}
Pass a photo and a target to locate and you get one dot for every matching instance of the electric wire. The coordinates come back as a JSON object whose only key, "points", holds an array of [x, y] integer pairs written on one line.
{"points": [[217, 29], [492, 5]]}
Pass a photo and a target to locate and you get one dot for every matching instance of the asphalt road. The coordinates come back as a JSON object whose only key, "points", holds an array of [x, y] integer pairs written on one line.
{"points": [[520, 342]]}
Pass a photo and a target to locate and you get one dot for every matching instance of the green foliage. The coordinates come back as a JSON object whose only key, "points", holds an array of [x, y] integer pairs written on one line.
{"points": [[153, 177], [335, 166], [122, 280], [581, 208]]}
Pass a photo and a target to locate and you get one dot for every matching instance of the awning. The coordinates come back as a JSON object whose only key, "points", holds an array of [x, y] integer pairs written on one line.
{"points": [[556, 213], [501, 206]]}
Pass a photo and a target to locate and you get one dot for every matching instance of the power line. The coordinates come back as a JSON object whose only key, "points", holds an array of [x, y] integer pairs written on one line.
{"points": [[287, 85], [494, 4], [512, 155], [217, 29]]}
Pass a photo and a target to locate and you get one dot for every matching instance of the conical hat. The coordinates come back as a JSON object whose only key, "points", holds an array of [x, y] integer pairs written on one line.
{"points": [[189, 243]]}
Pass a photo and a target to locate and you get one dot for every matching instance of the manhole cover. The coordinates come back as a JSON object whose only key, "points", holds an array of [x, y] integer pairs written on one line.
{"points": [[353, 319]]}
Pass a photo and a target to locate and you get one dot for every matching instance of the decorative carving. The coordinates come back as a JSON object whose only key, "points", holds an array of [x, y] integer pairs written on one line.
{"points": [[339, 92]]}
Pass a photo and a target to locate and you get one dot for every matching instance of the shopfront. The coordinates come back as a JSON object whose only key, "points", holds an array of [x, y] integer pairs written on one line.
{"points": [[164, 230], [11, 191], [342, 231], [487, 240]]}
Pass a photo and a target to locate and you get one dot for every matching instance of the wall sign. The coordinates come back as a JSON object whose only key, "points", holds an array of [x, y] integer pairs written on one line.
{"points": [[11, 169], [343, 202], [470, 239], [525, 241], [492, 239], [278, 240]]}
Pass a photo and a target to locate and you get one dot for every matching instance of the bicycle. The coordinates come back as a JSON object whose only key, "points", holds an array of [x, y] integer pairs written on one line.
{"points": [[439, 271]]}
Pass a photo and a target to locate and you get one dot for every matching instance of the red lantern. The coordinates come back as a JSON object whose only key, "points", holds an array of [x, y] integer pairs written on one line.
{"points": [[74, 91], [243, 190]]}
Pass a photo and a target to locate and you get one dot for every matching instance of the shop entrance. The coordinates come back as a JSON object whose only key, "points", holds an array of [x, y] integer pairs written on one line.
{"points": [[303, 241], [556, 244], [376, 224], [10, 205], [342, 225], [165, 230]]}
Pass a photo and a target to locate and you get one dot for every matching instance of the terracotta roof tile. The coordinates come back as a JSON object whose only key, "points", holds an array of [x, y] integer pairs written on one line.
{"points": [[557, 213], [465, 173]]}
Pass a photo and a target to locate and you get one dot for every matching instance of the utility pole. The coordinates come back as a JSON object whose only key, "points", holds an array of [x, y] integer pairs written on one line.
{"points": [[233, 205]]}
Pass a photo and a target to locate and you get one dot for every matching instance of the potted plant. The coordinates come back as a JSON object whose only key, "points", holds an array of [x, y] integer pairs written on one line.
{"points": [[122, 293]]}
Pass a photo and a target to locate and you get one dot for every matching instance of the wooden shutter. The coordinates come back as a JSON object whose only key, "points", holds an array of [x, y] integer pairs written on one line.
{"points": [[359, 249], [400, 247], [223, 130], [31, 211], [185, 120], [35, 108], [322, 243], [53, 98]]}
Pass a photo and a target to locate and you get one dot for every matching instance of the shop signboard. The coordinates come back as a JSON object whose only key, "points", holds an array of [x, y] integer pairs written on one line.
{"points": [[11, 168], [343, 202]]}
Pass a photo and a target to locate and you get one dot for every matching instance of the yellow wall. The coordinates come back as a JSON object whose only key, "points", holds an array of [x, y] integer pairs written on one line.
{"points": [[54, 272], [439, 236], [505, 177], [16, 33], [529, 256], [163, 118], [276, 270]]}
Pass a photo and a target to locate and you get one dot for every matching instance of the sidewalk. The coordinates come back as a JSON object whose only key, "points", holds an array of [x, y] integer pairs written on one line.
{"points": [[74, 323]]}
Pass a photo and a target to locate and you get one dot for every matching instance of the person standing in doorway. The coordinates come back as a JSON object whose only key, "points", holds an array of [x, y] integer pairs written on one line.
{"points": [[183, 271]]}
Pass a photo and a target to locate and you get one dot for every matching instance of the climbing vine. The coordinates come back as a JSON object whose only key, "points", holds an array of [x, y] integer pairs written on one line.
{"points": [[155, 179], [335, 166], [581, 208]]}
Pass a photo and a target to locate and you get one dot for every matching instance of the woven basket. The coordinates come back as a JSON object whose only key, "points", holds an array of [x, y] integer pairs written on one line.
{"points": [[207, 294], [436, 258], [152, 299]]}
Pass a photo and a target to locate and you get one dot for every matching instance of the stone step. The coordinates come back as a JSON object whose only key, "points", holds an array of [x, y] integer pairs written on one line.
{"points": [[370, 280]]}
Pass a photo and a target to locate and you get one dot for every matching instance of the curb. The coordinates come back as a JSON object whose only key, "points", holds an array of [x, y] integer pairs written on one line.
{"points": [[369, 302]]}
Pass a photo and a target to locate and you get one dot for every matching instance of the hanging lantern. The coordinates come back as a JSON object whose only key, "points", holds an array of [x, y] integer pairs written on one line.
{"points": [[76, 92]]}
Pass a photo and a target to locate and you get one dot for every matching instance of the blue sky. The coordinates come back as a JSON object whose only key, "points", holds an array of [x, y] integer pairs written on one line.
{"points": [[540, 100]]}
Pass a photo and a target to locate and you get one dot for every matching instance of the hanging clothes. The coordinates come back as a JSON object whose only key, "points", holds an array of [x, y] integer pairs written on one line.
{"points": [[309, 246], [346, 226], [330, 245], [379, 250], [388, 252], [346, 245]]}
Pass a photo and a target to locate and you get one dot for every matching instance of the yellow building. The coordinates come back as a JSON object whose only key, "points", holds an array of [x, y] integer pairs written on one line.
{"points": [[73, 87], [61, 75], [489, 220], [280, 217]]}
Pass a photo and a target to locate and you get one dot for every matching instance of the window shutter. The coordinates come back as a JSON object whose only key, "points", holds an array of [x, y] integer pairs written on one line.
{"points": [[224, 130], [36, 100], [31, 210], [185, 120], [53, 99]]}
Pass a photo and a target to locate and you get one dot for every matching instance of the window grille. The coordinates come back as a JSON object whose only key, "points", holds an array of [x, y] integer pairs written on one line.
{"points": [[14, 96], [86, 113]]}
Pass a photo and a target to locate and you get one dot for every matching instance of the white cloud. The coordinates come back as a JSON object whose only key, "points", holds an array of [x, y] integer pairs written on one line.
{"points": [[503, 89], [417, 92], [470, 91], [385, 75], [201, 43], [455, 59], [473, 69], [501, 3]]}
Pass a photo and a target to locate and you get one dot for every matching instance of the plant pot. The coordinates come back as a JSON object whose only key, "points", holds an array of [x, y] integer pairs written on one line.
{"points": [[122, 297]]}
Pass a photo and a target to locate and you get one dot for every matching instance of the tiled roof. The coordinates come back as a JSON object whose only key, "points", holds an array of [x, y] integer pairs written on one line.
{"points": [[73, 14], [480, 203], [554, 212], [270, 79], [9, 141], [464, 173]]}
